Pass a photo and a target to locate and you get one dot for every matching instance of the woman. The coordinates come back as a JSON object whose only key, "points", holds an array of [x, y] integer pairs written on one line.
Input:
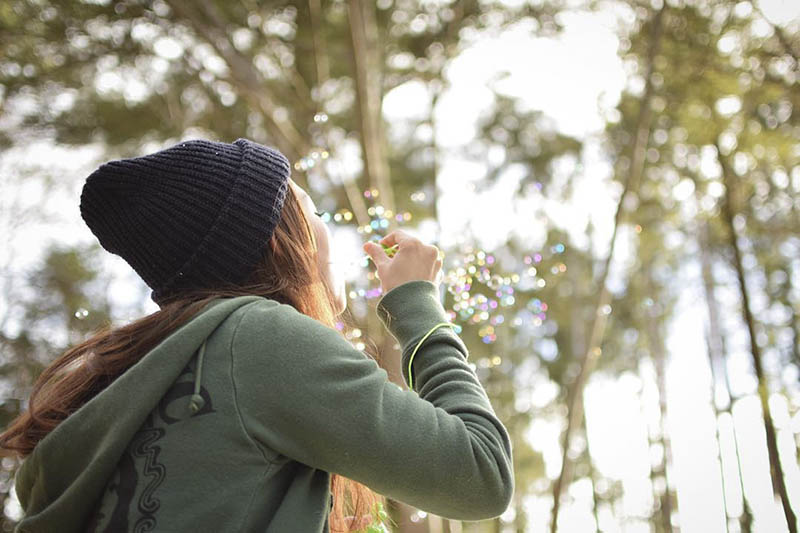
{"points": [[238, 406]]}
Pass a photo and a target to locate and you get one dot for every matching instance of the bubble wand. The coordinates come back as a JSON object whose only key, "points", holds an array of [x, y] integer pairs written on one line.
{"points": [[390, 251]]}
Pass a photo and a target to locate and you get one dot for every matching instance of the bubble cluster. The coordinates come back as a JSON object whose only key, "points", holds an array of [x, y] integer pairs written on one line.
{"points": [[471, 278], [418, 197], [380, 219], [311, 160], [479, 294]]}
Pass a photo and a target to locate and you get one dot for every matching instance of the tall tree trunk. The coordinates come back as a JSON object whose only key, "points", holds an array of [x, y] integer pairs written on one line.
{"points": [[794, 319], [666, 498], [520, 520], [717, 357], [654, 472], [366, 51], [590, 475], [659, 355], [718, 435], [776, 470], [322, 62], [575, 392], [794, 351]]}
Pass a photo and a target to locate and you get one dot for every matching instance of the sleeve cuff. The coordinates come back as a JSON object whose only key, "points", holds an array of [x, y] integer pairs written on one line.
{"points": [[409, 310]]}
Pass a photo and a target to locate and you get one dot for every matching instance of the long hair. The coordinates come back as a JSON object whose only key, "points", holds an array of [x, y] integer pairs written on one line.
{"points": [[288, 273]]}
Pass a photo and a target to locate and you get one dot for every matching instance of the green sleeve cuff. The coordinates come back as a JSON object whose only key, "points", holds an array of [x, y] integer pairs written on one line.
{"points": [[409, 310], [412, 312], [411, 358]]}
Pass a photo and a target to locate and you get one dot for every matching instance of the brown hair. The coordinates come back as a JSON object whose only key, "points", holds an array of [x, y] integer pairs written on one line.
{"points": [[288, 272]]}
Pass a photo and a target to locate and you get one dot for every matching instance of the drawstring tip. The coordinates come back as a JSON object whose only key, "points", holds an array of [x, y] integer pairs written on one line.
{"points": [[196, 403]]}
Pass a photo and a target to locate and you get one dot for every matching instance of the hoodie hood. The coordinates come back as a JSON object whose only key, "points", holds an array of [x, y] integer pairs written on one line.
{"points": [[59, 483]]}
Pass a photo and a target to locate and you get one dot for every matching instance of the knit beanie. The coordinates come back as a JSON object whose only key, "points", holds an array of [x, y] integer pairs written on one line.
{"points": [[194, 215]]}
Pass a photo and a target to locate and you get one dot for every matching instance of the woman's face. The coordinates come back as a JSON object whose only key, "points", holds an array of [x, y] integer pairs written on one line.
{"points": [[326, 254]]}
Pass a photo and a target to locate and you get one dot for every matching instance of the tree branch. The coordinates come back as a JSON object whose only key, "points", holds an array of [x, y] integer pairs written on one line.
{"points": [[288, 139]]}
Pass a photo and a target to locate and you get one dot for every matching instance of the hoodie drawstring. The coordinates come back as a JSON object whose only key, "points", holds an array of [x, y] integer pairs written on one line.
{"points": [[197, 401]]}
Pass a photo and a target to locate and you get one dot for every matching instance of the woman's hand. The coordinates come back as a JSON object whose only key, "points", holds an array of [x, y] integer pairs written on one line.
{"points": [[413, 260]]}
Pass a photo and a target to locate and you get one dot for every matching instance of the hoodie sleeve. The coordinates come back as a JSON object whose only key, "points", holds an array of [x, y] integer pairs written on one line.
{"points": [[304, 391]]}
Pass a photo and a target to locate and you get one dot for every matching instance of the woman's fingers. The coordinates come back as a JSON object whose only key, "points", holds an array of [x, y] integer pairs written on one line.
{"points": [[395, 237]]}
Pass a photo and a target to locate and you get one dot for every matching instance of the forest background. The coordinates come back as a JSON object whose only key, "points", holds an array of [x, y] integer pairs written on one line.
{"points": [[615, 184]]}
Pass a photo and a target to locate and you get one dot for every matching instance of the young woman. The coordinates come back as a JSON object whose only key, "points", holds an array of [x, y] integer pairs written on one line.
{"points": [[239, 406]]}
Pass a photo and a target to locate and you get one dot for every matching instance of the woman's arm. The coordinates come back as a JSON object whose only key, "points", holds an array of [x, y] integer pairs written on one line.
{"points": [[304, 391]]}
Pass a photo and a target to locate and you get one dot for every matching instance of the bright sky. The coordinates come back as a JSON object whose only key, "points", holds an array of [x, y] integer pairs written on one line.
{"points": [[574, 80]]}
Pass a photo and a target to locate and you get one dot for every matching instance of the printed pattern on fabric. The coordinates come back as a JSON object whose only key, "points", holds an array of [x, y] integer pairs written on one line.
{"points": [[130, 501]]}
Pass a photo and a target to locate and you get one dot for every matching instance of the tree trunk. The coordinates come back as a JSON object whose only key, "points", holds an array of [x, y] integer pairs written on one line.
{"points": [[718, 434], [366, 51], [322, 62], [776, 470], [575, 393], [665, 498], [659, 356], [794, 355], [590, 475], [716, 356]]}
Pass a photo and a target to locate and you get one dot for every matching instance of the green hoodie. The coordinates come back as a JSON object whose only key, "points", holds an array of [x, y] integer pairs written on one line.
{"points": [[244, 436]]}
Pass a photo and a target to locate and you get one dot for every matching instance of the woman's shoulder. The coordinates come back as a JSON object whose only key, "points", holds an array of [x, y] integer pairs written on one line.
{"points": [[267, 318]]}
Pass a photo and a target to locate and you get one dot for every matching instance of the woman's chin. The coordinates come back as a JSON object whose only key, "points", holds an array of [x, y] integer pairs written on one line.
{"points": [[342, 306], [342, 300]]}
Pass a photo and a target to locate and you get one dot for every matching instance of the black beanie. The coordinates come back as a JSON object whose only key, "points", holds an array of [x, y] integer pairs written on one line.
{"points": [[194, 215]]}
